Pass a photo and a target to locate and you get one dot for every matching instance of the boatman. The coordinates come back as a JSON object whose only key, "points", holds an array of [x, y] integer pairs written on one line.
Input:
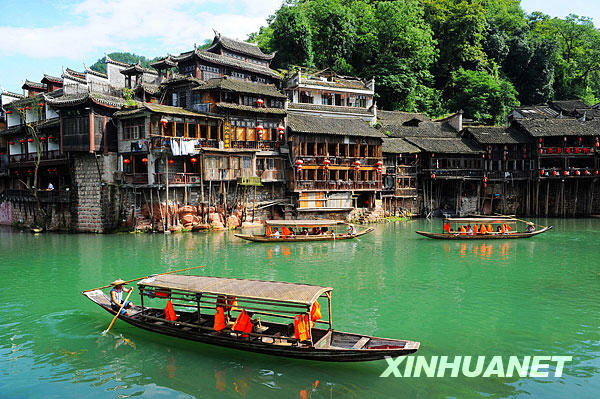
{"points": [[529, 228], [116, 295], [351, 230]]}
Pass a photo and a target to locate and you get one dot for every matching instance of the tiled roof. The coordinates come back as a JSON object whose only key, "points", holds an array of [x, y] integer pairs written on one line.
{"points": [[25, 101], [559, 127], [11, 94], [17, 129], [497, 135], [166, 61], [241, 86], [177, 78], [149, 88], [445, 145], [74, 75], [247, 108], [161, 109], [536, 112], [398, 146], [137, 69], [328, 108], [399, 117], [49, 123], [111, 61], [424, 129], [51, 79], [227, 61], [96, 73], [238, 47], [34, 85], [300, 123], [337, 83], [567, 106], [69, 100]]}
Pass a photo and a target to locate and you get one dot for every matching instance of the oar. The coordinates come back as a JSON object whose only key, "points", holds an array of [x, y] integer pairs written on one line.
{"points": [[118, 313], [141, 278]]}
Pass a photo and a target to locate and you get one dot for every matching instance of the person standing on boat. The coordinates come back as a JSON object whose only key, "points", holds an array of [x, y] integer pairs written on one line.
{"points": [[351, 230], [529, 228], [116, 296], [276, 233]]}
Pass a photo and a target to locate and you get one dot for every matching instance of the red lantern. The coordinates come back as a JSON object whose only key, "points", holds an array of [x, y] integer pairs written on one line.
{"points": [[145, 160], [299, 162], [433, 155], [50, 137], [596, 172], [558, 150], [171, 162], [164, 122], [586, 150], [259, 102], [30, 140], [580, 140], [28, 108], [43, 138], [281, 129], [587, 172], [379, 170], [41, 105], [577, 150], [542, 172], [11, 142], [577, 172], [554, 173], [20, 109], [193, 160], [549, 150], [541, 151], [565, 173], [483, 156], [259, 128], [379, 163], [16, 172], [9, 112], [485, 179], [126, 161], [540, 139], [568, 150], [433, 176], [21, 141], [357, 163], [29, 171]]}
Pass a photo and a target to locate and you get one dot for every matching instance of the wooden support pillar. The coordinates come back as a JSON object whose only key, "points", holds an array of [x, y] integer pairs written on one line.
{"points": [[547, 197], [537, 198], [574, 207]]}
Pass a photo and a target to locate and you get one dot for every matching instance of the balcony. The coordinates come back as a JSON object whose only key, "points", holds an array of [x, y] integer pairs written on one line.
{"points": [[318, 160], [454, 173], [406, 192], [136, 178], [163, 143], [45, 196], [509, 174], [559, 173], [326, 185], [177, 178], [567, 151], [273, 175], [32, 156]]}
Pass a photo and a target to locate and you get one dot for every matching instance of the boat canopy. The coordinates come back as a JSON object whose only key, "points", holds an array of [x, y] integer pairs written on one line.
{"points": [[322, 222], [255, 289], [482, 220]]}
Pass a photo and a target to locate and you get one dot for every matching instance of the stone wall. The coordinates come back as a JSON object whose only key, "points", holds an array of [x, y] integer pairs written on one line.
{"points": [[23, 213]]}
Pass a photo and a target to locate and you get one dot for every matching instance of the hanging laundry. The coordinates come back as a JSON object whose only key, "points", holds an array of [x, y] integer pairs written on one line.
{"points": [[175, 147]]}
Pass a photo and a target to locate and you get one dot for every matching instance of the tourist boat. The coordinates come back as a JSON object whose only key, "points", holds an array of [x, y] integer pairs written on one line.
{"points": [[338, 227], [274, 305], [502, 228]]}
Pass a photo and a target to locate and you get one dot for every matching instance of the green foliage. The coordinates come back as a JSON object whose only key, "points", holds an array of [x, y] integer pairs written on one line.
{"points": [[130, 58], [290, 34], [129, 96], [482, 96]]}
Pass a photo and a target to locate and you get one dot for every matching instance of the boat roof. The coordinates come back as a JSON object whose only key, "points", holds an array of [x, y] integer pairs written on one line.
{"points": [[256, 289], [322, 222], [481, 220]]}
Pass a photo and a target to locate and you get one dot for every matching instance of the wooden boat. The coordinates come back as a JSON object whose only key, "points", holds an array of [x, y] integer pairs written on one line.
{"points": [[452, 229], [299, 225], [195, 299]]}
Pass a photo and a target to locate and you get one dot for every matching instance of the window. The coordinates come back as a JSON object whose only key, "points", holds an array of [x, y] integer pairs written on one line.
{"points": [[133, 129], [246, 162], [361, 101], [273, 103], [188, 69], [183, 99], [306, 97], [174, 100], [223, 163], [238, 75]]}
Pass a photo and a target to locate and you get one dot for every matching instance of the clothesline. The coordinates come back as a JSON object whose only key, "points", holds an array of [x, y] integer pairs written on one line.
{"points": [[185, 146]]}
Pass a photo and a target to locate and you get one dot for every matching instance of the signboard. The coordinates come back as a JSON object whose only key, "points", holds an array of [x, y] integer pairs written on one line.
{"points": [[226, 134], [250, 181]]}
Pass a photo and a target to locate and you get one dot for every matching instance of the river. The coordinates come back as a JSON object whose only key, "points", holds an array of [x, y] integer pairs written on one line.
{"points": [[539, 296]]}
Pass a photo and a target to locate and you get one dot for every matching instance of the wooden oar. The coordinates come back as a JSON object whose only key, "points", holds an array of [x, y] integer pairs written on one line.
{"points": [[141, 278], [118, 313]]}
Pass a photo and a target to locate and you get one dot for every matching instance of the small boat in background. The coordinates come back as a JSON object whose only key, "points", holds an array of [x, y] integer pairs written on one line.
{"points": [[486, 228], [271, 317], [305, 230]]}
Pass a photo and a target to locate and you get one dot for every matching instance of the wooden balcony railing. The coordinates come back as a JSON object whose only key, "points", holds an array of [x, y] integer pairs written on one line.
{"points": [[136, 178], [271, 175], [339, 161], [336, 185], [454, 172], [32, 156], [567, 151], [177, 178]]}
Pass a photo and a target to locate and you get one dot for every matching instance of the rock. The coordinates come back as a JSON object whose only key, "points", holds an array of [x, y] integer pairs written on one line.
{"points": [[250, 225], [175, 229], [216, 225], [214, 217], [188, 219], [188, 210], [233, 222]]}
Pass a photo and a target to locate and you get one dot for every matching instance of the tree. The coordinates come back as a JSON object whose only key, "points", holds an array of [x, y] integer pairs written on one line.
{"points": [[129, 58], [482, 96], [291, 36]]}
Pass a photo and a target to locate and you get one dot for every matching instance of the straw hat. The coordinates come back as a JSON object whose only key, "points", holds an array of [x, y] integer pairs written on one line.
{"points": [[118, 282], [530, 224]]}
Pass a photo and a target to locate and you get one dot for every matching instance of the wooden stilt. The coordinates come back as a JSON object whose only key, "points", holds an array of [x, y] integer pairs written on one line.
{"points": [[547, 197], [574, 207], [537, 198]]}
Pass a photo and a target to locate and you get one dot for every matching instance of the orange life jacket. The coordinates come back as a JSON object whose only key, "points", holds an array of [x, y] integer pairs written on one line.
{"points": [[301, 327], [503, 229], [231, 303], [243, 323], [170, 312], [268, 232], [489, 228], [475, 229], [482, 230], [463, 230], [285, 231], [219, 319], [447, 227], [315, 311]]}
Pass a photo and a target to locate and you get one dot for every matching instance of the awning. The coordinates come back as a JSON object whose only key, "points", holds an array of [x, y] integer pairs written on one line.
{"points": [[255, 289], [321, 222]]}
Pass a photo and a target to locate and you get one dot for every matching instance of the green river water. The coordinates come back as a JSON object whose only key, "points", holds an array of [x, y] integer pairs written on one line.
{"points": [[525, 297]]}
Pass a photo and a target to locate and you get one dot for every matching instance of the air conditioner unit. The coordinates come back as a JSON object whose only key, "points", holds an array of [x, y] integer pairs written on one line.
{"points": [[194, 179]]}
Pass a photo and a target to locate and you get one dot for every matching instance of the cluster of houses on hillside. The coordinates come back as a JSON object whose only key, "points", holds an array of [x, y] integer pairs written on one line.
{"points": [[218, 126]]}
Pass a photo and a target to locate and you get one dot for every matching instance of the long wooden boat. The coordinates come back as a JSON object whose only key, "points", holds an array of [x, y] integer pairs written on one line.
{"points": [[508, 226], [195, 299], [308, 225]]}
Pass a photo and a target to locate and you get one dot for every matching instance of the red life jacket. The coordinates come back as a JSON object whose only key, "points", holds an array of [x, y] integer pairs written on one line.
{"points": [[219, 319], [301, 327], [243, 323], [170, 312]]}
